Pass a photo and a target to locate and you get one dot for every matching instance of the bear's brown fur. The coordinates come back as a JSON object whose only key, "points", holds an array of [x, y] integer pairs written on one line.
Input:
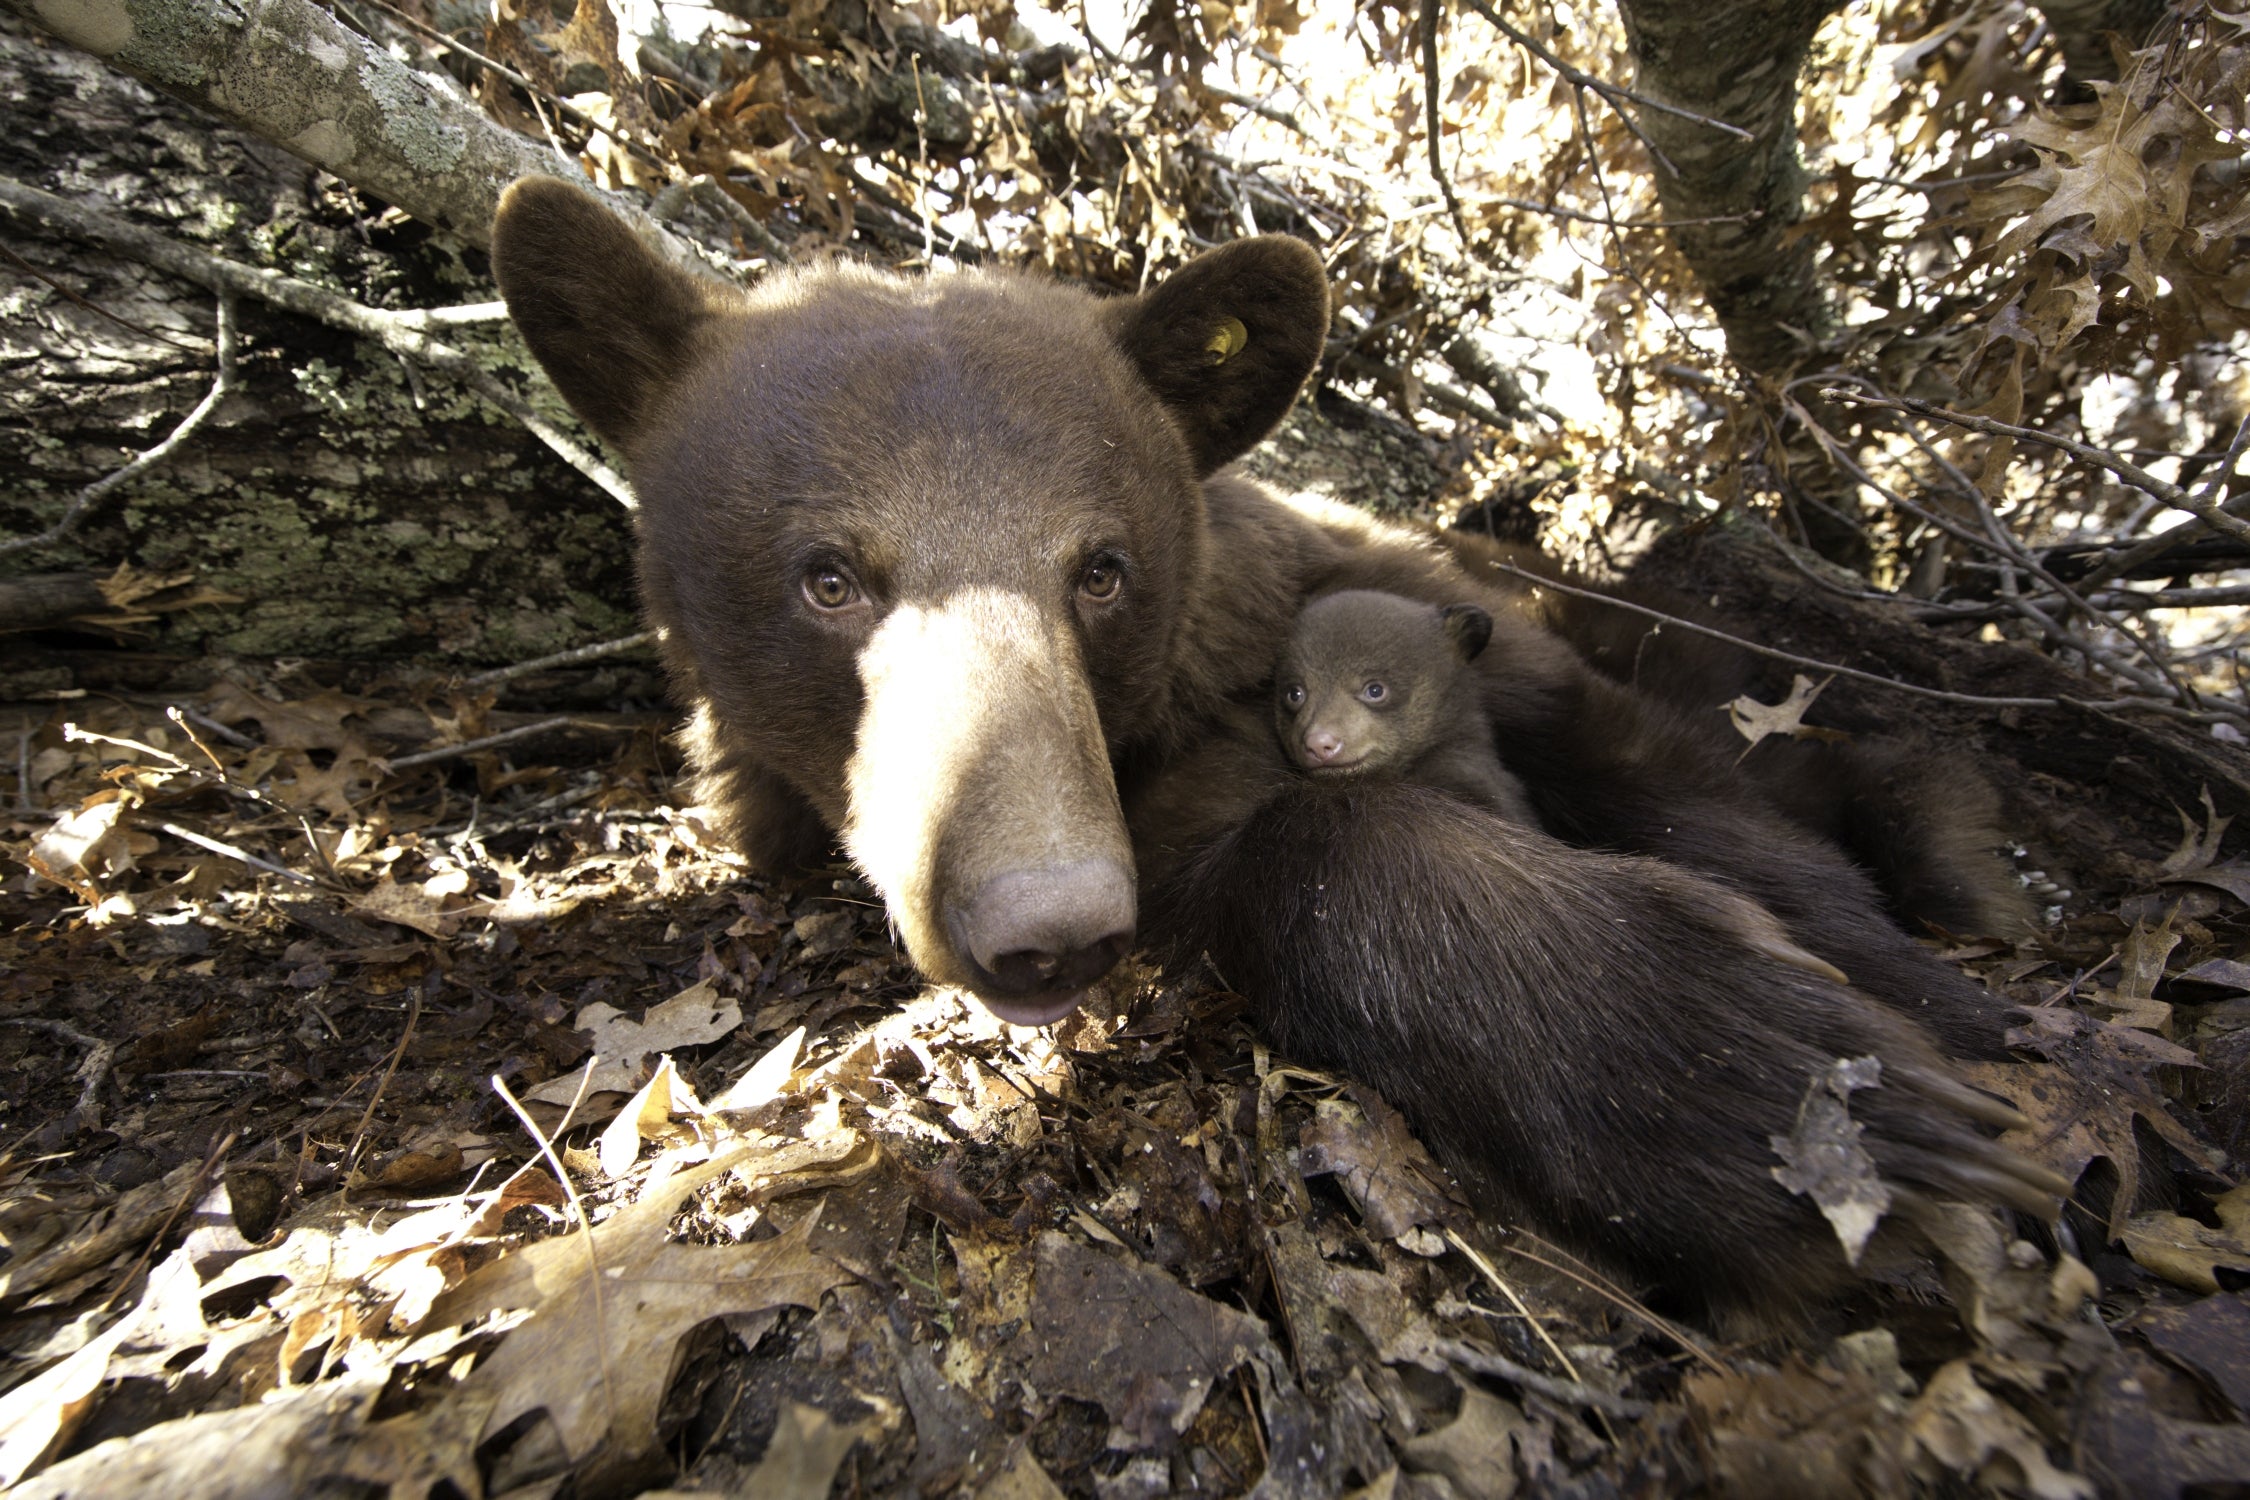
{"points": [[951, 573]]}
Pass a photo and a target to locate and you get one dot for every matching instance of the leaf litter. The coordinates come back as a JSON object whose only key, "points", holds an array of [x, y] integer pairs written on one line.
{"points": [[271, 1226]]}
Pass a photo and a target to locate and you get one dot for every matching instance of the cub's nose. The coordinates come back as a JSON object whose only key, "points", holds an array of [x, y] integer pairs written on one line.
{"points": [[1035, 939], [1322, 746]]}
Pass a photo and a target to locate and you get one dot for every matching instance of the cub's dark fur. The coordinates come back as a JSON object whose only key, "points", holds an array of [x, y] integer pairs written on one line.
{"points": [[953, 575], [1373, 685]]}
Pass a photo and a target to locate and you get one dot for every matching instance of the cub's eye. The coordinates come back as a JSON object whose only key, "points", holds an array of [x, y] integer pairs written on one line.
{"points": [[1374, 692], [830, 588], [1103, 577], [1294, 696]]}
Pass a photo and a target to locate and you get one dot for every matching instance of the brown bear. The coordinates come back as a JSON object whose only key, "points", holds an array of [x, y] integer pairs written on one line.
{"points": [[1378, 686], [955, 577]]}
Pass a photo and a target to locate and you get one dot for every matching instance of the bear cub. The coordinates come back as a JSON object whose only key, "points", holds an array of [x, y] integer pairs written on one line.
{"points": [[1378, 686]]}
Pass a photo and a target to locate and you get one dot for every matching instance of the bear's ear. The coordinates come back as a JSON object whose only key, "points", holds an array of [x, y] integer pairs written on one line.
{"points": [[1227, 341], [1470, 627], [612, 324]]}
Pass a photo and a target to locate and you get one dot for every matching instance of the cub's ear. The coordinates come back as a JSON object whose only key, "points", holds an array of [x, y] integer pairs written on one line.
{"points": [[612, 324], [1227, 341], [1470, 627]]}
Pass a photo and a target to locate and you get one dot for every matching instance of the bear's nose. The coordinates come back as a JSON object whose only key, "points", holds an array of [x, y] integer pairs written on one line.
{"points": [[1037, 938], [1323, 745]]}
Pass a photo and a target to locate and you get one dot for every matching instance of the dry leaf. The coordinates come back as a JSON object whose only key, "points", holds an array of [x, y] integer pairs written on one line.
{"points": [[90, 842], [607, 1310], [766, 1078], [1475, 1451], [1823, 1159], [1754, 720], [647, 1117], [1958, 1428], [802, 1458], [624, 1049], [408, 906], [38, 1416], [2188, 1253], [1133, 1341], [1387, 1174]]}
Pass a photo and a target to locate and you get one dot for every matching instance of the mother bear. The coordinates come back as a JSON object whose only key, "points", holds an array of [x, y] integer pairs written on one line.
{"points": [[953, 574]]}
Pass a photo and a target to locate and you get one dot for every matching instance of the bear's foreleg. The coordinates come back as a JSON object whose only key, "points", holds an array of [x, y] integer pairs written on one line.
{"points": [[1586, 1039]]}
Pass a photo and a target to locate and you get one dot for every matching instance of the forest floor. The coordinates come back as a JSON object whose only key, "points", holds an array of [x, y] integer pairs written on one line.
{"points": [[379, 1116]]}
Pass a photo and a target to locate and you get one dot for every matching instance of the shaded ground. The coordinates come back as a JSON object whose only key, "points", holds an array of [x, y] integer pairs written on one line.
{"points": [[858, 1237]]}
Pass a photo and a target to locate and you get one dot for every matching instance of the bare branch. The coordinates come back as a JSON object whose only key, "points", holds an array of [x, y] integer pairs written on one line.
{"points": [[490, 741], [568, 658], [1814, 664], [1613, 93], [400, 332], [1432, 125], [361, 113], [85, 499], [2101, 458]]}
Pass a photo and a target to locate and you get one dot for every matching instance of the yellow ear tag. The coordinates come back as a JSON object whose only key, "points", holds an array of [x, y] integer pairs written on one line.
{"points": [[1227, 340]]}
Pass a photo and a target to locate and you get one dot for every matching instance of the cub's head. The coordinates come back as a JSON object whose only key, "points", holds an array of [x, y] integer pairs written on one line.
{"points": [[1370, 681], [920, 549]]}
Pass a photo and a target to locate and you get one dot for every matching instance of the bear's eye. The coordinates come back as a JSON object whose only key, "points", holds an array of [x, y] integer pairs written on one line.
{"points": [[1294, 695], [830, 588], [1103, 577], [1374, 692]]}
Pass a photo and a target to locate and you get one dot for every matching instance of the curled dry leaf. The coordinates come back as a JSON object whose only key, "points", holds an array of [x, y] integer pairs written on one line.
{"points": [[1822, 1158], [39, 1416], [1388, 1174], [1754, 720]]}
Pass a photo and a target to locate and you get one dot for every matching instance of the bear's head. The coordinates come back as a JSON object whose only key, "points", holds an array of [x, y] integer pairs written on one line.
{"points": [[923, 549]]}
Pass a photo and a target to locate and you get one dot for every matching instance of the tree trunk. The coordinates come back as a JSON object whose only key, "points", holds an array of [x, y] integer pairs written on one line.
{"points": [[291, 73], [336, 505], [1735, 61]]}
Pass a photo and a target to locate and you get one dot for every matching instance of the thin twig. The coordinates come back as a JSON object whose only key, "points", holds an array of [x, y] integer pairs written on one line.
{"points": [[1557, 211], [1997, 540], [84, 500], [1258, 107], [570, 658], [390, 1069], [505, 736], [562, 106], [2124, 600], [91, 1073], [196, 1185], [1810, 663], [1432, 126], [577, 1206], [2156, 546], [1553, 1387], [1611, 92], [1507, 1289], [1608, 1291], [205, 841]]}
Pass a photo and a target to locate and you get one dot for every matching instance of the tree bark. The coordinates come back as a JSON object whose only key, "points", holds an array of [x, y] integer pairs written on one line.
{"points": [[1736, 61], [290, 73], [352, 509]]}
